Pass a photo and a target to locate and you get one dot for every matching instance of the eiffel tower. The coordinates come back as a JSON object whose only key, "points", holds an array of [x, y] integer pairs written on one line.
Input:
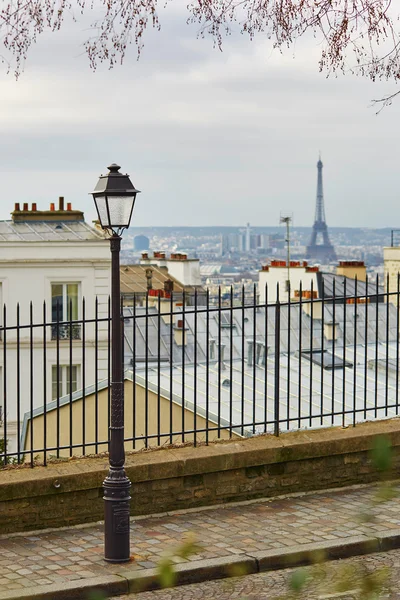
{"points": [[324, 252]]}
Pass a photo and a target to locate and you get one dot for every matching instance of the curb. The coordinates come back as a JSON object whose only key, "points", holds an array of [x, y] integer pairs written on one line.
{"points": [[135, 581]]}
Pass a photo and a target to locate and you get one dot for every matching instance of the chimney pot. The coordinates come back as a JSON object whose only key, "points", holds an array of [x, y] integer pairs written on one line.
{"points": [[25, 206], [61, 203], [69, 206], [34, 208], [180, 324], [52, 206], [17, 207]]}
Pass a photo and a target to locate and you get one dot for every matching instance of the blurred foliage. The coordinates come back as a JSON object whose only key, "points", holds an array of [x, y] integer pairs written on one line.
{"points": [[166, 567]]}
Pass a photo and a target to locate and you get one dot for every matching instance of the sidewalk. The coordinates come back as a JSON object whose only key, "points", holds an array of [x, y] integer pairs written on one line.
{"points": [[252, 536]]}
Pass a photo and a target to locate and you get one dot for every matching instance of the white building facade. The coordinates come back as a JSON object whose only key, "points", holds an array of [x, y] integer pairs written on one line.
{"points": [[278, 275], [53, 267]]}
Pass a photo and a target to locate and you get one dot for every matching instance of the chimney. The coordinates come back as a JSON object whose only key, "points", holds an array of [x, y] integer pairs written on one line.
{"points": [[61, 203], [250, 344], [52, 206], [352, 269], [221, 354], [69, 206], [180, 330], [331, 331], [149, 278], [168, 286], [211, 347], [34, 207], [17, 207], [26, 206]]}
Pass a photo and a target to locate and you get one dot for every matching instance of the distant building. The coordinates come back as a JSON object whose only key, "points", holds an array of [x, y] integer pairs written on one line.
{"points": [[141, 242], [391, 262], [177, 274], [349, 280], [244, 241]]}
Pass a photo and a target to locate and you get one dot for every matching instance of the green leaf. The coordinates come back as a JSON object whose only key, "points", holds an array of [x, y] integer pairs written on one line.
{"points": [[298, 580], [381, 453], [166, 572]]}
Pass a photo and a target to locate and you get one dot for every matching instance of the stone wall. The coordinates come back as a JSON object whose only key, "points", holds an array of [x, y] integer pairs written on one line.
{"points": [[70, 492]]}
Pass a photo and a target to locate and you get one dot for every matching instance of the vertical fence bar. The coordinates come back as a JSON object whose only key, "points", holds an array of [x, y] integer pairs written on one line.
{"points": [[344, 355], [366, 347], [70, 379], [231, 363], [58, 333], [159, 371], [397, 341], [183, 363], [376, 345], [195, 370], [322, 350], [355, 352], [31, 373], [289, 311], [5, 386], [171, 367], [109, 362], [254, 356], [311, 352], [243, 363], [387, 346], [18, 386], [44, 386], [334, 330], [146, 371], [134, 372], [219, 363], [96, 380], [300, 351], [207, 359], [84, 375], [266, 360], [277, 361]]}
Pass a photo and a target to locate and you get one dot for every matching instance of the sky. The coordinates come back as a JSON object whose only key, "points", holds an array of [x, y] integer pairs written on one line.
{"points": [[209, 137]]}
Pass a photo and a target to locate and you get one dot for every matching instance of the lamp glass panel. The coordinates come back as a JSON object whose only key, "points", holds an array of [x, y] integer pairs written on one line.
{"points": [[120, 208], [101, 206]]}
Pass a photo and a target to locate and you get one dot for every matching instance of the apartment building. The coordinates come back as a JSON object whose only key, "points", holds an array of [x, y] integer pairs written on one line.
{"points": [[53, 266]]}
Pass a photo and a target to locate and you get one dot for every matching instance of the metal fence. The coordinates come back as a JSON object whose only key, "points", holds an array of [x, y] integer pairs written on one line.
{"points": [[198, 372]]}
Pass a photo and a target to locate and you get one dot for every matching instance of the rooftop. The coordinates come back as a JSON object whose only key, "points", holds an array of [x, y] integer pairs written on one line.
{"points": [[47, 231]]}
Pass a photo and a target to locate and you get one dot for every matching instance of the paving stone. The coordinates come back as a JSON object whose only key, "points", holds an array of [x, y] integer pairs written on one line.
{"points": [[225, 531]]}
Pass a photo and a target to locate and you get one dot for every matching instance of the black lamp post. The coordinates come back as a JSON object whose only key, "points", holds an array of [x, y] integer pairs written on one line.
{"points": [[114, 197]]}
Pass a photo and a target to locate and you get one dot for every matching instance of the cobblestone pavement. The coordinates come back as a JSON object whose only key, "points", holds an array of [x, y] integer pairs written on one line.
{"points": [[76, 553], [322, 583]]}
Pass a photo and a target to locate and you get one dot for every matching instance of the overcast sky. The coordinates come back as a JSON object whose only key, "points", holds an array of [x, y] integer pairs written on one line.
{"points": [[210, 138]]}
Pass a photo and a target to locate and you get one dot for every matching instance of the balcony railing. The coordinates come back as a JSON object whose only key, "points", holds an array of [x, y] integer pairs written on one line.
{"points": [[66, 331]]}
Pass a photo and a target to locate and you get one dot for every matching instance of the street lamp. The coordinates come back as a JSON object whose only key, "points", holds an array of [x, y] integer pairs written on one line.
{"points": [[114, 197]]}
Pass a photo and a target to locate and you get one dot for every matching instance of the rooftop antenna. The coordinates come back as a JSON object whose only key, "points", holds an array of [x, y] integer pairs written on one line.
{"points": [[287, 218]]}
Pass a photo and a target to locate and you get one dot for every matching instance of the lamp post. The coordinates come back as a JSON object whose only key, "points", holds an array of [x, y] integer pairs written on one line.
{"points": [[114, 197]]}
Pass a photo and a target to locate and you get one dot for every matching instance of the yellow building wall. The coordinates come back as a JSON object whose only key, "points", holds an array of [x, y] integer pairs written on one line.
{"points": [[72, 423], [391, 266], [353, 272]]}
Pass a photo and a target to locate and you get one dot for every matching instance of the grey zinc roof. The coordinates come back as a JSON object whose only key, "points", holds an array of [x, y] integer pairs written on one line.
{"points": [[247, 395], [48, 231], [338, 286], [366, 388], [360, 324]]}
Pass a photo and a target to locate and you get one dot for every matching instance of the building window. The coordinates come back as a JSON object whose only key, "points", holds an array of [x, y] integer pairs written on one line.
{"points": [[64, 307], [65, 382]]}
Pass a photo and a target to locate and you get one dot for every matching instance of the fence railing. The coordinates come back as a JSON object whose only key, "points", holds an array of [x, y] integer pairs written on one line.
{"points": [[198, 372]]}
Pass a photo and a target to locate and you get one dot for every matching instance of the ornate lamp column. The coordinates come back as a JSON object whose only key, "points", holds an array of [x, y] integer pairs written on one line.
{"points": [[114, 197]]}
